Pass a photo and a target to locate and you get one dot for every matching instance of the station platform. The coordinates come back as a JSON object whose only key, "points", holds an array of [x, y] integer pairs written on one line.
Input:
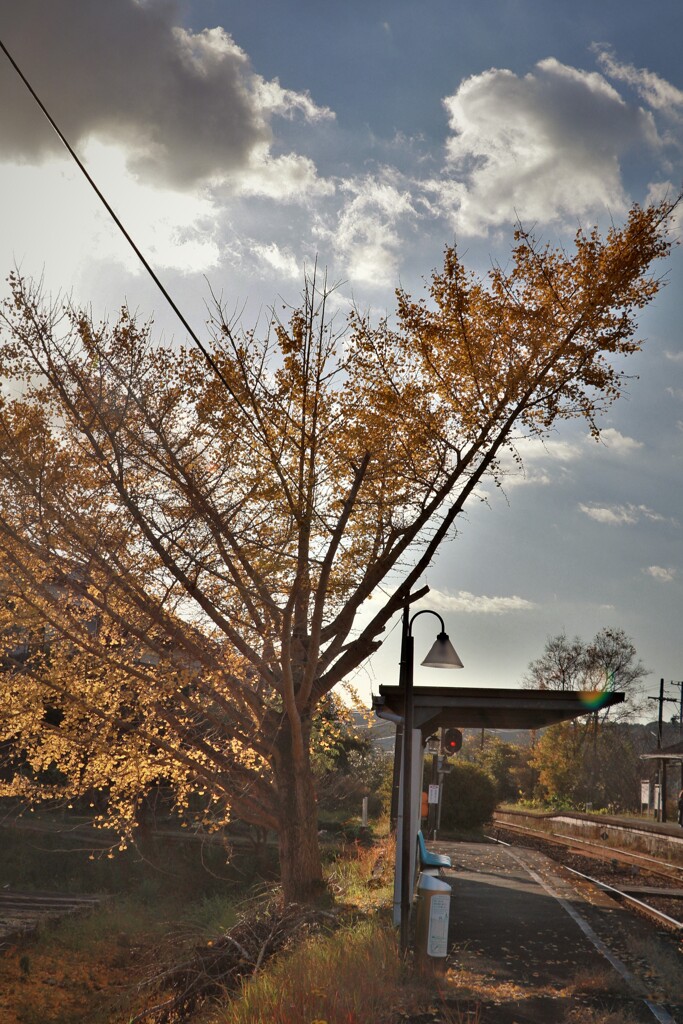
{"points": [[542, 947]]}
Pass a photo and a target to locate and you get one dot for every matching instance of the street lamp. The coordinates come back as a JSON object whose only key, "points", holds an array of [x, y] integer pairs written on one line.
{"points": [[441, 655]]}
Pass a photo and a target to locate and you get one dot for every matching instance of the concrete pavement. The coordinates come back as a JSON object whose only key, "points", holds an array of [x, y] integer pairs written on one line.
{"points": [[544, 947]]}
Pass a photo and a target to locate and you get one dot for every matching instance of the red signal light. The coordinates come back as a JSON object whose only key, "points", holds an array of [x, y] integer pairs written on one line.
{"points": [[451, 741]]}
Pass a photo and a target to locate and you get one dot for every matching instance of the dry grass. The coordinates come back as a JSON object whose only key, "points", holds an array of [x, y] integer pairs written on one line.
{"points": [[600, 978], [347, 978], [352, 977], [361, 876], [584, 1015], [664, 971]]}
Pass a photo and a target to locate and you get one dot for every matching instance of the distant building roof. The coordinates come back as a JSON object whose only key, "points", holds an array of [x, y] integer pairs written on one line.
{"points": [[674, 752]]}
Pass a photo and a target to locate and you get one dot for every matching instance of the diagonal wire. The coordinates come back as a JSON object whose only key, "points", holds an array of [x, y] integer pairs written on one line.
{"points": [[205, 352]]}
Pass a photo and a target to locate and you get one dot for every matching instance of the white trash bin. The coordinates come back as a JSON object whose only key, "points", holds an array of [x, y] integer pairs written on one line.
{"points": [[431, 923]]}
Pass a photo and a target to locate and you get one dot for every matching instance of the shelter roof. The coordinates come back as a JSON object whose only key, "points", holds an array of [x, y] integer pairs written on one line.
{"points": [[476, 707]]}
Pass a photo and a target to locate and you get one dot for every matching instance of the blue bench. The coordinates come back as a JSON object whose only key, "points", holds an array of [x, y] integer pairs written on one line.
{"points": [[431, 861]]}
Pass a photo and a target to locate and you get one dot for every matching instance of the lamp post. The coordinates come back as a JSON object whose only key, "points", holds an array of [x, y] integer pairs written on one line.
{"points": [[441, 655]]}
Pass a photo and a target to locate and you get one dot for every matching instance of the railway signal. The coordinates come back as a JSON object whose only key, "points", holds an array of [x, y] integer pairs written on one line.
{"points": [[451, 741]]}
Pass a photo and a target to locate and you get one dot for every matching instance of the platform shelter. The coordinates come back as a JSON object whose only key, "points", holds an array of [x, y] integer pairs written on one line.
{"points": [[464, 707]]}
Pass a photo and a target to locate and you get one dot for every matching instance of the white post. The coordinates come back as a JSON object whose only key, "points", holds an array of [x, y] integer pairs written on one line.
{"points": [[416, 794]]}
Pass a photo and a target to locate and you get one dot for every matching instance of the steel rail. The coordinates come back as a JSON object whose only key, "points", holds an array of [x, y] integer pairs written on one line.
{"points": [[657, 915]]}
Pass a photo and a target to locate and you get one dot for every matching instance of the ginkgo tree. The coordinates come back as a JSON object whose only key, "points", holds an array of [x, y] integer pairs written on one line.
{"points": [[186, 542]]}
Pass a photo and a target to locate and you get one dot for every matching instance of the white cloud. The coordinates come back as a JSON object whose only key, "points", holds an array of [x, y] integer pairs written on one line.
{"points": [[618, 515], [542, 459], [541, 146], [367, 235], [666, 191], [516, 476], [185, 107], [539, 457], [280, 259], [67, 227], [655, 91], [658, 572], [675, 393], [556, 451], [176, 230], [464, 601], [286, 178], [674, 357], [619, 443], [273, 99]]}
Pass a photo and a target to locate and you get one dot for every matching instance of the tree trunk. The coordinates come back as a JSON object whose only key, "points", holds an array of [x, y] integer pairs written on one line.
{"points": [[300, 863]]}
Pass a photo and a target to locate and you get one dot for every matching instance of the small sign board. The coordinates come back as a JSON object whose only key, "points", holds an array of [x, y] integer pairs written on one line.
{"points": [[439, 912], [433, 795]]}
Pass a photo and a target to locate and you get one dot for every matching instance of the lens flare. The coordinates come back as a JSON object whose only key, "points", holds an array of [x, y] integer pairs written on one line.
{"points": [[594, 699]]}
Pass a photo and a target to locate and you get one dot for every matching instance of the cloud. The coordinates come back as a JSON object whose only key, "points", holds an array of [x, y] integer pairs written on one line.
{"points": [[618, 515], [658, 572], [655, 91], [538, 457], [556, 451], [281, 260], [675, 393], [177, 230], [186, 107], [287, 178], [367, 235], [619, 443], [674, 357], [464, 601], [666, 191], [543, 146], [542, 459]]}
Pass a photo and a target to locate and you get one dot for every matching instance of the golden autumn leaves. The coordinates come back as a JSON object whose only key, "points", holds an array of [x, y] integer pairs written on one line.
{"points": [[230, 527]]}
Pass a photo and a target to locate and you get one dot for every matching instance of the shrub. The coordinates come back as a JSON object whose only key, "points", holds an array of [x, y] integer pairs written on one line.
{"points": [[469, 797]]}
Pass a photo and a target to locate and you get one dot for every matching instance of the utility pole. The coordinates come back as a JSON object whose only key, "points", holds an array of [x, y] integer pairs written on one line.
{"points": [[680, 706], [680, 721], [661, 773]]}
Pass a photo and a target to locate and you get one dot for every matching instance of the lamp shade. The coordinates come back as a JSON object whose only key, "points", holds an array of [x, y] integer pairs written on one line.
{"points": [[442, 654]]}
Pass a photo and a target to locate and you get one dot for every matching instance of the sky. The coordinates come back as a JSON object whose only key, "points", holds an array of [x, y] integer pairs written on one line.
{"points": [[239, 142]]}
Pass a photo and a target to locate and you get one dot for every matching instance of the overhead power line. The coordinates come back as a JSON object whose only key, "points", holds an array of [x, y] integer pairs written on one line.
{"points": [[205, 352]]}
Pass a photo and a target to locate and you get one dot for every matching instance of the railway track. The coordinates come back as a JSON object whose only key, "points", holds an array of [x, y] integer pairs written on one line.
{"points": [[21, 913], [649, 886]]}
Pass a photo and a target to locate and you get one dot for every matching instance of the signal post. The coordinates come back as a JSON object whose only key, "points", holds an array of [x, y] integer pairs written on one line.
{"points": [[449, 743]]}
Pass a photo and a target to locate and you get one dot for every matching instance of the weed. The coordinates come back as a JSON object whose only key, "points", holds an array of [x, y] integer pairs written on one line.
{"points": [[351, 976], [665, 979], [346, 978], [599, 978], [211, 915], [124, 917], [363, 876], [585, 1015]]}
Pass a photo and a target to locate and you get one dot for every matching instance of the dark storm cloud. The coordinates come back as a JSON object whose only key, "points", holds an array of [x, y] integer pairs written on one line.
{"points": [[186, 106]]}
